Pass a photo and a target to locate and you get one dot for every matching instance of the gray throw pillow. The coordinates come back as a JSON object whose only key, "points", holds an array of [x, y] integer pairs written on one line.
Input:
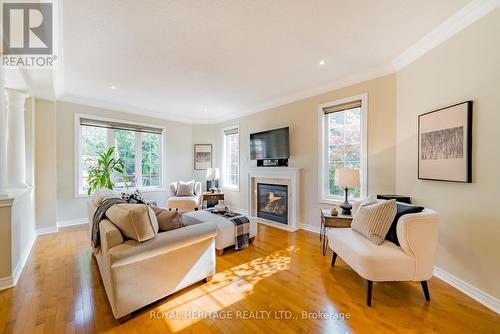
{"points": [[374, 221]]}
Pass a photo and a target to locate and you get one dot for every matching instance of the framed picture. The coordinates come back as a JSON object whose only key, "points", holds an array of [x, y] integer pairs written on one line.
{"points": [[445, 144], [202, 156]]}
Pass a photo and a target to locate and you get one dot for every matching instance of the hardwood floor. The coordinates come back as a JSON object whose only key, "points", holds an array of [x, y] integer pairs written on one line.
{"points": [[60, 291]]}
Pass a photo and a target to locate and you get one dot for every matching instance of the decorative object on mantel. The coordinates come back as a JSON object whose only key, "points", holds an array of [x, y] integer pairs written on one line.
{"points": [[213, 174], [346, 178], [202, 156], [445, 144]]}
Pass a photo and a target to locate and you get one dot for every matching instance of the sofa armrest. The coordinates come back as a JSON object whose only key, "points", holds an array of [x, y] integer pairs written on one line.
{"points": [[197, 189], [110, 235], [418, 235], [131, 251]]}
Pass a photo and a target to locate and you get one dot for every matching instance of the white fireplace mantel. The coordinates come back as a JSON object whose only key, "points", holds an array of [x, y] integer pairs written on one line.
{"points": [[288, 175]]}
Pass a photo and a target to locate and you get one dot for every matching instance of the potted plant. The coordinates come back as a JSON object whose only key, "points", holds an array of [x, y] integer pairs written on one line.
{"points": [[107, 166]]}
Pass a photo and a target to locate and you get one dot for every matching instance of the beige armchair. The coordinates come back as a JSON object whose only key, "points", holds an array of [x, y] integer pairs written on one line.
{"points": [[413, 260], [184, 203]]}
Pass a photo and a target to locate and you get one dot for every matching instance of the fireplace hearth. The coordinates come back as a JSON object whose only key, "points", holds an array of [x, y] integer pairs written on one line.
{"points": [[272, 202]]}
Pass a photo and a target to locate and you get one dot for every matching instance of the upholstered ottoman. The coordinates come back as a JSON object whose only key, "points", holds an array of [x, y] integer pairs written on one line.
{"points": [[225, 228]]}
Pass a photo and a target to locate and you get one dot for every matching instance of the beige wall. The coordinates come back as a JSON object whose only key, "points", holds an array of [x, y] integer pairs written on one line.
{"points": [[46, 164], [302, 118], [466, 67], [204, 134], [178, 155]]}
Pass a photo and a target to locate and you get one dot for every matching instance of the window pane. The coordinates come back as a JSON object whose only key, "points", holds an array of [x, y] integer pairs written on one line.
{"points": [[125, 144], [151, 163], [93, 142], [344, 147], [232, 160]]}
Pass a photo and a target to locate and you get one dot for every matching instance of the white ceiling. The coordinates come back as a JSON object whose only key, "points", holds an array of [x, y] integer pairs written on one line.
{"points": [[209, 60]]}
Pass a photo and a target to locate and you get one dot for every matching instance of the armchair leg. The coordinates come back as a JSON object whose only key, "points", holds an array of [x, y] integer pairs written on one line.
{"points": [[369, 293], [425, 287], [334, 257]]}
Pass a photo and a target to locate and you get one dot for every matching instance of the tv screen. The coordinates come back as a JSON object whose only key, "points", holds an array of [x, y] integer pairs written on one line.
{"points": [[272, 144]]}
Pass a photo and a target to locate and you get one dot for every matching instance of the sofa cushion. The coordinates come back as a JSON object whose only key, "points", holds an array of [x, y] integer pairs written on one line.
{"points": [[167, 220], [185, 188], [402, 209], [374, 221], [386, 262], [101, 194], [135, 221]]}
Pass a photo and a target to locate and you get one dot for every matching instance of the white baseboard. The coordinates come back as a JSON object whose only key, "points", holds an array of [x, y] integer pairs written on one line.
{"points": [[478, 295], [9, 282], [73, 222], [47, 230], [310, 228]]}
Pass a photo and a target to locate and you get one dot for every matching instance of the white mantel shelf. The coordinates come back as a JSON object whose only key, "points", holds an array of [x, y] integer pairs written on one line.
{"points": [[289, 174]]}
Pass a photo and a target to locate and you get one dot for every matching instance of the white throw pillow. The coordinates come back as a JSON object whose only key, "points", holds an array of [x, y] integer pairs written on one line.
{"points": [[185, 188], [374, 221]]}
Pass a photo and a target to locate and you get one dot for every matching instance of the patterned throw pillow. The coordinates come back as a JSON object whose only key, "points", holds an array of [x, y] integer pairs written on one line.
{"points": [[185, 188], [374, 221]]}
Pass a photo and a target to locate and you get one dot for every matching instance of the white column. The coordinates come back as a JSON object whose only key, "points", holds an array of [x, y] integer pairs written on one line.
{"points": [[3, 133], [16, 139]]}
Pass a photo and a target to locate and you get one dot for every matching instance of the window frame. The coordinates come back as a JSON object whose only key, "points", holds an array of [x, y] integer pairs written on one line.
{"points": [[78, 152], [323, 165], [223, 178]]}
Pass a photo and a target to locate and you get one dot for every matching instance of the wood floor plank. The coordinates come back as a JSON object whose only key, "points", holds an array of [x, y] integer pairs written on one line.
{"points": [[284, 274]]}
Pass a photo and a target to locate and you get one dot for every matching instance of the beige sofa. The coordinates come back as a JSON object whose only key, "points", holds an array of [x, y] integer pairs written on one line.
{"points": [[136, 274], [413, 260]]}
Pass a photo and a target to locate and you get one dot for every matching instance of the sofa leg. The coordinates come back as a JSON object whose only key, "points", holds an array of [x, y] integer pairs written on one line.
{"points": [[124, 318], [425, 287], [369, 293], [209, 278], [334, 258], [250, 241], [219, 251]]}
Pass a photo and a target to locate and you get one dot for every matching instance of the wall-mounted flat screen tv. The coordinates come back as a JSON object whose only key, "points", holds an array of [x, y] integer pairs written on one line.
{"points": [[272, 144]]}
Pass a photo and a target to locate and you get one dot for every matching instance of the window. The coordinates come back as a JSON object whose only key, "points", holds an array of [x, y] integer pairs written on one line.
{"points": [[231, 159], [343, 139], [139, 146]]}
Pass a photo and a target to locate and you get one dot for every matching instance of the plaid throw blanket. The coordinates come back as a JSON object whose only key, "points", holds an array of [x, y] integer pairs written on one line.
{"points": [[241, 229], [99, 215]]}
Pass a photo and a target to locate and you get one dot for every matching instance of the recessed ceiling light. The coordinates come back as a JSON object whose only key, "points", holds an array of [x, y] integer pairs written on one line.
{"points": [[321, 62], [112, 87]]}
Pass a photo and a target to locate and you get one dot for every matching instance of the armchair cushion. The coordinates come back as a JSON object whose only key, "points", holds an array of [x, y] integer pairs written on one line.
{"points": [[402, 209], [374, 221], [185, 188]]}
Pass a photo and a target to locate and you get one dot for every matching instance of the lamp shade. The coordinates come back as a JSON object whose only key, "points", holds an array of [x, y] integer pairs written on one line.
{"points": [[213, 173], [346, 177]]}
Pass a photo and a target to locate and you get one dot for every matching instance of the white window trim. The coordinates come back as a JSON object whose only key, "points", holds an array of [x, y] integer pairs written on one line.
{"points": [[223, 185], [323, 181], [77, 150]]}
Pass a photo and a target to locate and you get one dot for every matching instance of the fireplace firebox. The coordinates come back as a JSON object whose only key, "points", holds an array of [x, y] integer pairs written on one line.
{"points": [[272, 202]]}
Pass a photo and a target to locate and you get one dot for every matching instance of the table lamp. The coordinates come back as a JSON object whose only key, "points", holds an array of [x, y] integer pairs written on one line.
{"points": [[213, 174], [346, 178]]}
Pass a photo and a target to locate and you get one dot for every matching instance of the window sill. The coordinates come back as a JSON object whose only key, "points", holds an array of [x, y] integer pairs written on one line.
{"points": [[142, 190], [337, 201]]}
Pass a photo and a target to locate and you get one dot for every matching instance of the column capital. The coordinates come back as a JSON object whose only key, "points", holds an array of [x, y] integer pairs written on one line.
{"points": [[15, 97]]}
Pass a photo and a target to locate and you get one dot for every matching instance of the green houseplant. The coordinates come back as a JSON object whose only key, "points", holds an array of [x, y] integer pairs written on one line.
{"points": [[107, 166]]}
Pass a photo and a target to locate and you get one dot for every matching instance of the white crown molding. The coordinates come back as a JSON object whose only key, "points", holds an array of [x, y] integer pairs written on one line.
{"points": [[121, 108], [450, 27], [478, 295], [357, 78]]}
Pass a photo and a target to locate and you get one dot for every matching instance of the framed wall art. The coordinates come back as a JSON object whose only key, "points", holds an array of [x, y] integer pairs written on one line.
{"points": [[202, 156], [445, 144]]}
